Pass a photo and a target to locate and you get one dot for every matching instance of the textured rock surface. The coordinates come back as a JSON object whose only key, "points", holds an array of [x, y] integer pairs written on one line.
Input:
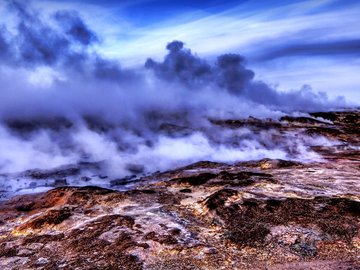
{"points": [[267, 214]]}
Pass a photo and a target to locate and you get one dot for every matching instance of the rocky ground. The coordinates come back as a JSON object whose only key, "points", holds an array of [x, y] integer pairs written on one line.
{"points": [[267, 214]]}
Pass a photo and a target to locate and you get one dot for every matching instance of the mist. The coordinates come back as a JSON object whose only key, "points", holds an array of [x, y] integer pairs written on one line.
{"points": [[62, 103]]}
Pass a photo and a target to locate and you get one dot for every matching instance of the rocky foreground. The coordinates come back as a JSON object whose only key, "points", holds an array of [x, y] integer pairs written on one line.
{"points": [[267, 214]]}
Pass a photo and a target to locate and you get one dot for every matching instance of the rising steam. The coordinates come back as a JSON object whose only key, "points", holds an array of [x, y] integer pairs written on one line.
{"points": [[62, 102]]}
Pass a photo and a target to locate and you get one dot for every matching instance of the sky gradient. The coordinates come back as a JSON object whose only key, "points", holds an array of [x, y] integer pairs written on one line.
{"points": [[288, 43]]}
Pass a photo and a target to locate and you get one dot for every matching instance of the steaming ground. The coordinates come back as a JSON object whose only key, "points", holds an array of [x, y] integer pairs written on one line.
{"points": [[63, 105], [38, 156]]}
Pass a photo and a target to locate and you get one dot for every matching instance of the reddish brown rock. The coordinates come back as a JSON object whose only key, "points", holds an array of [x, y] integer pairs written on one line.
{"points": [[267, 214]]}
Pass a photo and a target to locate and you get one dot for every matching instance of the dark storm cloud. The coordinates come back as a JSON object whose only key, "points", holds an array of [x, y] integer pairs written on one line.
{"points": [[232, 74], [182, 65], [35, 42], [38, 43], [339, 47], [111, 70], [229, 73], [4, 45], [75, 27]]}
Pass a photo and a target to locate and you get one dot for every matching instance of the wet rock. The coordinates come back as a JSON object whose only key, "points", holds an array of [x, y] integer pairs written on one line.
{"points": [[31, 125], [241, 175], [123, 181], [218, 199], [174, 130], [266, 164], [6, 251], [175, 231], [242, 178], [325, 131], [26, 207], [325, 115], [196, 180], [166, 239], [58, 173], [185, 190], [51, 217], [60, 182], [303, 120], [135, 168], [202, 165], [251, 122]]}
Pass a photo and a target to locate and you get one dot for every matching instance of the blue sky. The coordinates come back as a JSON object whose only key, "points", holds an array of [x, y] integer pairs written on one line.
{"points": [[287, 43]]}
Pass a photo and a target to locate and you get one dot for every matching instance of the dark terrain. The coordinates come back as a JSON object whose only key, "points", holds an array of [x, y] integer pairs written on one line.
{"points": [[265, 214]]}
